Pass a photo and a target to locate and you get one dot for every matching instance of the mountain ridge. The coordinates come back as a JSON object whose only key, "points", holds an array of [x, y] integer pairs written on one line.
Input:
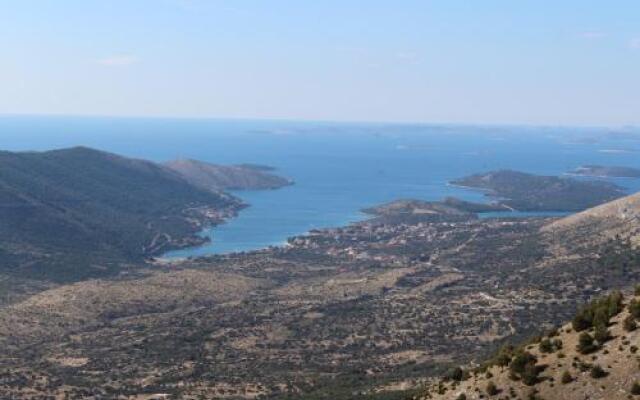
{"points": [[81, 206], [215, 177]]}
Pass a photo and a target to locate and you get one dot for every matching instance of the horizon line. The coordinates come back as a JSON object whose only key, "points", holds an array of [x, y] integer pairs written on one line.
{"points": [[632, 126]]}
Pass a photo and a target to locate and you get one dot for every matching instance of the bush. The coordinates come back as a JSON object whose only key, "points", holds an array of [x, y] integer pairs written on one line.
{"points": [[492, 389], [523, 366], [635, 388], [585, 343], [629, 323], [455, 374], [545, 346], [530, 375], [597, 372], [521, 360], [503, 357], [634, 308], [582, 321], [566, 377], [599, 312], [601, 334], [461, 396]]}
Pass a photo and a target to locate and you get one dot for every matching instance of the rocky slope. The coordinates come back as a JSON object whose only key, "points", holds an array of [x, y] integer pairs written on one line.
{"points": [[619, 219], [573, 362]]}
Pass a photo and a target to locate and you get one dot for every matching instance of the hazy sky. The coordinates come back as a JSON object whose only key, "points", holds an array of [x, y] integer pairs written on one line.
{"points": [[467, 61]]}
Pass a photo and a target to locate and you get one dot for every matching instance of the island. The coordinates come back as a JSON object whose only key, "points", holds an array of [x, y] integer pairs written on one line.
{"points": [[527, 192], [602, 171], [411, 210]]}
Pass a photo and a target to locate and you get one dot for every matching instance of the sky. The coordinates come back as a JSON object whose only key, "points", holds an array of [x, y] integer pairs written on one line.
{"points": [[540, 62]]}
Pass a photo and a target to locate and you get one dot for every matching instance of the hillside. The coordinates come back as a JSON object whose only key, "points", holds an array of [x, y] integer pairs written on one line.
{"points": [[366, 311], [218, 177], [74, 212], [526, 192], [593, 357], [619, 219]]}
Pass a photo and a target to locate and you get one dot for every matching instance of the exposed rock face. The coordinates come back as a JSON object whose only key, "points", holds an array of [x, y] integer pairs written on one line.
{"points": [[218, 177], [608, 371]]}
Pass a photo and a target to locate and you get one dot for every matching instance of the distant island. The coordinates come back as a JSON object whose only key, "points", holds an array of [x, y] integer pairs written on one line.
{"points": [[601, 171], [525, 192]]}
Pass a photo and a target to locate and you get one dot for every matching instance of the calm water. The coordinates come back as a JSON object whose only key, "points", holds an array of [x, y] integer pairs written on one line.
{"points": [[338, 168]]}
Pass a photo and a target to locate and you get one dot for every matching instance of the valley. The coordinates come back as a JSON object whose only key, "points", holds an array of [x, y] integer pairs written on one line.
{"points": [[372, 310], [339, 313]]}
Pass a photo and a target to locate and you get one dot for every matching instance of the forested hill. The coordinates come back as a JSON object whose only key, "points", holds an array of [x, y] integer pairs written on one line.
{"points": [[66, 209], [527, 192], [227, 177]]}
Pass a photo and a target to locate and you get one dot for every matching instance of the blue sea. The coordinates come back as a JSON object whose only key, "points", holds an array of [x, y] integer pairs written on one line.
{"points": [[338, 168]]}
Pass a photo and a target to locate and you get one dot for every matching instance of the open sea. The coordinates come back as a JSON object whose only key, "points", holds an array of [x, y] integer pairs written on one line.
{"points": [[339, 168]]}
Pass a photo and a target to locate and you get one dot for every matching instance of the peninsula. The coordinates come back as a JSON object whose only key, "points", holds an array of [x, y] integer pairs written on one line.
{"points": [[527, 192]]}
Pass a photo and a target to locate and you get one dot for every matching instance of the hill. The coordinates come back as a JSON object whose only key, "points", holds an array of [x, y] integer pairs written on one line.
{"points": [[526, 192], [619, 219], [449, 209], [74, 212], [593, 357], [218, 177]]}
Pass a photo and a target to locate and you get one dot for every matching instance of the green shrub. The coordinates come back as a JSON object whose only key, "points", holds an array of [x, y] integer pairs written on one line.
{"points": [[566, 377], [599, 311], [601, 334], [585, 343], [492, 389], [635, 388], [545, 346], [634, 308], [521, 360], [557, 343], [523, 366], [629, 323], [530, 375], [455, 374], [597, 372]]}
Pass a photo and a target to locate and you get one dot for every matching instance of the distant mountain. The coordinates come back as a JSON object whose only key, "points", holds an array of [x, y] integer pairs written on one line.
{"points": [[218, 177], [526, 192], [65, 210]]}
